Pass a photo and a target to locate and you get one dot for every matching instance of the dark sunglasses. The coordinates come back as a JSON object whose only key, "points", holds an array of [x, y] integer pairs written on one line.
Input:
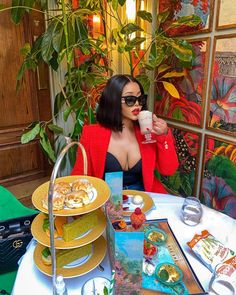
{"points": [[130, 100]]}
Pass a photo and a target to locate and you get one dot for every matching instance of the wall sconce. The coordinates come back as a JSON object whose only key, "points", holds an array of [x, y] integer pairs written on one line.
{"points": [[131, 10], [96, 26], [142, 7]]}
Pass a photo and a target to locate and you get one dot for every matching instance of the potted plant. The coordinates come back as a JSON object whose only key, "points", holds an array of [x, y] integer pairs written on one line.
{"points": [[68, 39]]}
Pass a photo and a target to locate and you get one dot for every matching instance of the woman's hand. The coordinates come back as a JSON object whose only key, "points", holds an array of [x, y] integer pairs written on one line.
{"points": [[159, 126]]}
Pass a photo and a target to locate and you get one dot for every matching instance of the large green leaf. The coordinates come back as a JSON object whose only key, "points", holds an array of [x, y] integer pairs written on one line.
{"points": [[66, 113], [145, 81], [58, 41], [47, 42], [18, 12], [134, 42], [162, 17], [173, 74], [182, 51], [81, 31], [36, 48], [145, 15], [162, 68], [130, 28], [71, 34], [91, 117], [55, 128], [43, 4], [156, 55], [30, 135], [190, 21], [121, 2], [114, 4], [46, 145]]}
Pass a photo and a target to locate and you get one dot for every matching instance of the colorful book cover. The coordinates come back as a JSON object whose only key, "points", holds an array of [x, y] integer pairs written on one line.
{"points": [[114, 206]]}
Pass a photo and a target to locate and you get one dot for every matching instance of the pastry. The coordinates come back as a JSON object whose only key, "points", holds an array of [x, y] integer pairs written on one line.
{"points": [[62, 187], [57, 201], [77, 199], [79, 226], [82, 184], [64, 257]]}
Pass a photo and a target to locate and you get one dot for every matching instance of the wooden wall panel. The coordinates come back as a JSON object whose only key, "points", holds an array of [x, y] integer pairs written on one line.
{"points": [[20, 163], [19, 159], [16, 108]]}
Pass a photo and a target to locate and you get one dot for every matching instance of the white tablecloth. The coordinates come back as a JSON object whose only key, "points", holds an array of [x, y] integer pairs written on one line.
{"points": [[30, 280]]}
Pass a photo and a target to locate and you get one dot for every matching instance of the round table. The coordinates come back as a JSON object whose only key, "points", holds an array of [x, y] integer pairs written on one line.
{"points": [[30, 280]]}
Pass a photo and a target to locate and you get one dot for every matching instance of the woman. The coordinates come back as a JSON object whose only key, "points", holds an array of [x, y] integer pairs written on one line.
{"points": [[114, 144]]}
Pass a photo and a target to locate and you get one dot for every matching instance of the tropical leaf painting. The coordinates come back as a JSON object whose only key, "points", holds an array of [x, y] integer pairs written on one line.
{"points": [[177, 8], [218, 189], [222, 109], [191, 87], [187, 147]]}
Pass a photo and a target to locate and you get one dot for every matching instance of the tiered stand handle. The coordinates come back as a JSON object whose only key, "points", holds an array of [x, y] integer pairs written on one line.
{"points": [[50, 207]]}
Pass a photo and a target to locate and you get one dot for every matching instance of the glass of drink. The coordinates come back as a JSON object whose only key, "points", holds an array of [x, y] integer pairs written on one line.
{"points": [[145, 123], [191, 211]]}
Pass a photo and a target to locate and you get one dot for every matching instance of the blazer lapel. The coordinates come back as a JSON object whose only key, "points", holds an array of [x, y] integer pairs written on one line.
{"points": [[101, 139]]}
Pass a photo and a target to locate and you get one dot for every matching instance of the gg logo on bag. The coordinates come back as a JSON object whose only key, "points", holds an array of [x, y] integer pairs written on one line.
{"points": [[17, 243]]}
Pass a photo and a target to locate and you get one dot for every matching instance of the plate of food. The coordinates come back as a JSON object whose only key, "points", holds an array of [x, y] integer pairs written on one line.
{"points": [[133, 199], [169, 274], [156, 236], [72, 195], [69, 232], [71, 262]]}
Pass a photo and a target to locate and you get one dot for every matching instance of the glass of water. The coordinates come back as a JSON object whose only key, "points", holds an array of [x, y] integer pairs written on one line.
{"points": [[191, 211], [223, 280]]}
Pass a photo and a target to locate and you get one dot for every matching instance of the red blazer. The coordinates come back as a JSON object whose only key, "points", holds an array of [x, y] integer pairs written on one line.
{"points": [[161, 155]]}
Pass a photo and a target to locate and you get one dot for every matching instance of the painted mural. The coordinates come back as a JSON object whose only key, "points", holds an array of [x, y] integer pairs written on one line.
{"points": [[218, 189]]}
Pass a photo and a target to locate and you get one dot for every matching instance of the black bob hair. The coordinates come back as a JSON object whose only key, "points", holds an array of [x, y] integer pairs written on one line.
{"points": [[108, 113]]}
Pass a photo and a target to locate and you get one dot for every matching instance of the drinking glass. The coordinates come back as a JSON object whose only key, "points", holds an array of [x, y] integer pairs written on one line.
{"points": [[191, 211], [145, 123], [223, 281], [95, 286]]}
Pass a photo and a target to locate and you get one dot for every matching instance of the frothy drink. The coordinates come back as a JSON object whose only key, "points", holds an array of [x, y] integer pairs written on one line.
{"points": [[145, 121]]}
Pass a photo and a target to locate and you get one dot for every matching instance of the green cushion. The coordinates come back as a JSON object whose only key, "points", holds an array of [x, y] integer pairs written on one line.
{"points": [[10, 207], [7, 281]]}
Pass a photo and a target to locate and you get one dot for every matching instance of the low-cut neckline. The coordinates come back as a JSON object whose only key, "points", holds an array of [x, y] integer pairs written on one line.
{"points": [[120, 164]]}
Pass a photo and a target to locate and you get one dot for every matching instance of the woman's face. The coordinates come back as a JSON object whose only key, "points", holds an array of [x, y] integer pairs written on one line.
{"points": [[130, 112]]}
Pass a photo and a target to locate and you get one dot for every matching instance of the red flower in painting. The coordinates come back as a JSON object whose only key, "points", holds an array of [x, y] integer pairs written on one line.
{"points": [[190, 111]]}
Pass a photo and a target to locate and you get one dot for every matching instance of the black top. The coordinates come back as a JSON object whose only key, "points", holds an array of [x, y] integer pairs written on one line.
{"points": [[131, 176]]}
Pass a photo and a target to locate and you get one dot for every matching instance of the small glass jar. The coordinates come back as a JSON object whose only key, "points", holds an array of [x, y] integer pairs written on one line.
{"points": [[223, 280]]}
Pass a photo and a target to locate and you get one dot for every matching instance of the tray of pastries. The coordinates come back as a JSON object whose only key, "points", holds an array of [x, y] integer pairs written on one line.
{"points": [[71, 262], [69, 232], [73, 195]]}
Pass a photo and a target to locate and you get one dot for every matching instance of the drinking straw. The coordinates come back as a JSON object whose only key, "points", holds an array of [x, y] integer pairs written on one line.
{"points": [[112, 282]]}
